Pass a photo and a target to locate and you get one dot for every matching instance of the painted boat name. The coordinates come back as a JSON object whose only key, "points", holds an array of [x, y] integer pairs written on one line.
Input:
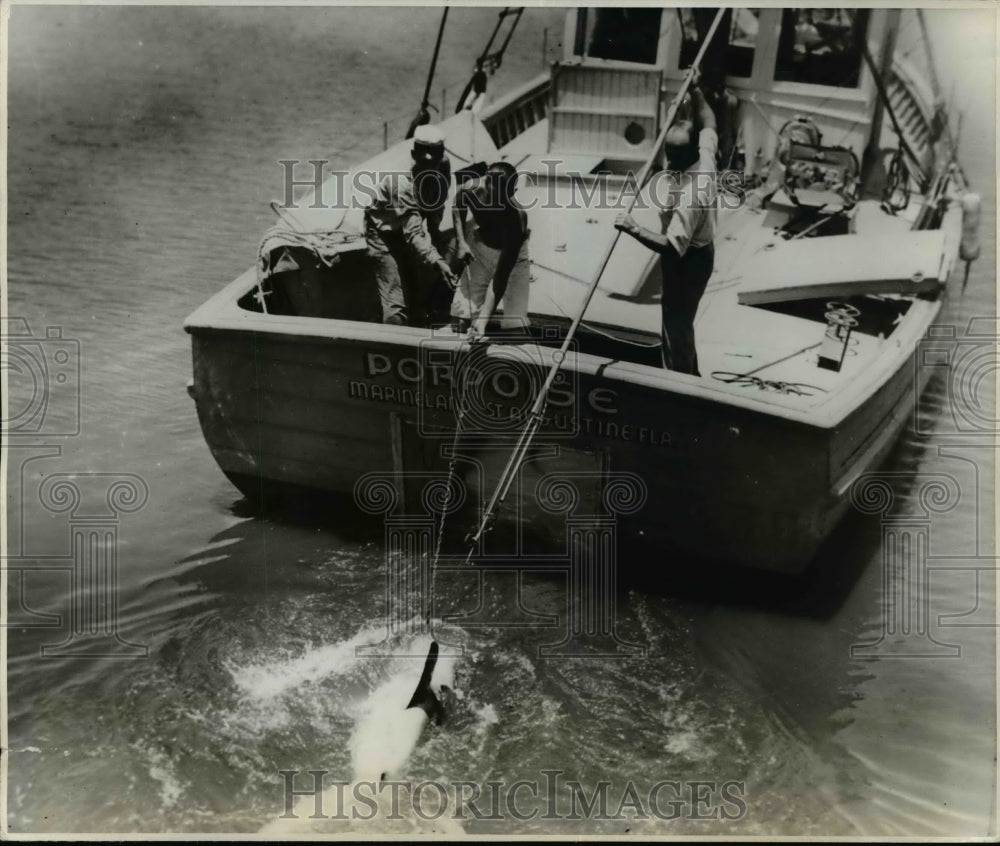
{"points": [[504, 385]]}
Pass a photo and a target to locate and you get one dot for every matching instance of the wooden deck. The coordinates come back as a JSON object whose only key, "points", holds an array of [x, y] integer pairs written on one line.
{"points": [[732, 338]]}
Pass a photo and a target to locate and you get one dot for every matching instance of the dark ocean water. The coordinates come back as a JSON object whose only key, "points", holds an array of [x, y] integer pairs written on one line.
{"points": [[142, 154]]}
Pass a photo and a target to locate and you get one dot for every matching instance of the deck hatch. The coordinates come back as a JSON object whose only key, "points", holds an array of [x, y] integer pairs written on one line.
{"points": [[845, 265]]}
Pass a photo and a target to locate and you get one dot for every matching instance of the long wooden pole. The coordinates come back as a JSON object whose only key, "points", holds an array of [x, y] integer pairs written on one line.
{"points": [[537, 409]]}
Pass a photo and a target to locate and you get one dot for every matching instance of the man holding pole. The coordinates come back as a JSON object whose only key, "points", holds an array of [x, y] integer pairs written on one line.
{"points": [[688, 222], [624, 222]]}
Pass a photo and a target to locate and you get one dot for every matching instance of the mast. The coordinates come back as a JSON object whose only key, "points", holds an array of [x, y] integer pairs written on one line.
{"points": [[891, 28], [423, 116]]}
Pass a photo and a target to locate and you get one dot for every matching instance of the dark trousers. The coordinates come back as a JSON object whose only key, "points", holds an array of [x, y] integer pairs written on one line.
{"points": [[386, 251], [411, 294], [684, 281]]}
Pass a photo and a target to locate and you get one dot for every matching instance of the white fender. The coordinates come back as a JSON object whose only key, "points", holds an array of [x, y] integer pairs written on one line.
{"points": [[971, 213]]}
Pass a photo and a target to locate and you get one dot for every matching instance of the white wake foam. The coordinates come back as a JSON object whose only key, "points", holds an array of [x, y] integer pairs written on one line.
{"points": [[271, 679]]}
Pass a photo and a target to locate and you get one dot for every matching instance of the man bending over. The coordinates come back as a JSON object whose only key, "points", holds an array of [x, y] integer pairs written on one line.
{"points": [[494, 239]]}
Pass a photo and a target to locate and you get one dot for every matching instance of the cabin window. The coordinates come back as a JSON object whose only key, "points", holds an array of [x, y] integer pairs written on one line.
{"points": [[625, 35], [821, 46], [734, 55], [742, 42]]}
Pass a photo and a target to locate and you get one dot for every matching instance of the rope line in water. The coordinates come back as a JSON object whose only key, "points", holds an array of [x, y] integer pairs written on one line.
{"points": [[453, 458]]}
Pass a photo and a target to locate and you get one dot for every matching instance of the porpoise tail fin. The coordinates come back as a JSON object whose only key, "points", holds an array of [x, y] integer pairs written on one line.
{"points": [[424, 696]]}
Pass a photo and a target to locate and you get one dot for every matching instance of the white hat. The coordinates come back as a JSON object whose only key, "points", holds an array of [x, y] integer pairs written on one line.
{"points": [[428, 144], [428, 135]]}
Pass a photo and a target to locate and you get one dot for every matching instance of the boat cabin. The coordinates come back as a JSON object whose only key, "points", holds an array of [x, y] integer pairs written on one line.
{"points": [[621, 67]]}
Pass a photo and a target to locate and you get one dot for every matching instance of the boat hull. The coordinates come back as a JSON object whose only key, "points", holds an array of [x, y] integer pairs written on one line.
{"points": [[327, 410]]}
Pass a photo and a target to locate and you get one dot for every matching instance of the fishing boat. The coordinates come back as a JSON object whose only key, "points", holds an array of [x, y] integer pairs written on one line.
{"points": [[843, 220]]}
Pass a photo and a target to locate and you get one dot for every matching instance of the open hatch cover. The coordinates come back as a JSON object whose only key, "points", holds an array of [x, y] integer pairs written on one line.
{"points": [[845, 265]]}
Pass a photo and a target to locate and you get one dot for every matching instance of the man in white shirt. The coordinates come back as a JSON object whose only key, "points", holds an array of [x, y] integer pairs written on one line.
{"points": [[685, 242], [495, 240]]}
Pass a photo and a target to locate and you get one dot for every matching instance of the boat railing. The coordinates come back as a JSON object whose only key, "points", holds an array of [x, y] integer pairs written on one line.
{"points": [[913, 104], [518, 111]]}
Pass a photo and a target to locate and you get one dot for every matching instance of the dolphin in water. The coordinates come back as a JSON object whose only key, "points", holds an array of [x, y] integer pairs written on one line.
{"points": [[385, 735], [394, 719]]}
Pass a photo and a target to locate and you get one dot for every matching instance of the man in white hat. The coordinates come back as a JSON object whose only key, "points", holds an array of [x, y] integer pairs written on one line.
{"points": [[403, 230]]}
